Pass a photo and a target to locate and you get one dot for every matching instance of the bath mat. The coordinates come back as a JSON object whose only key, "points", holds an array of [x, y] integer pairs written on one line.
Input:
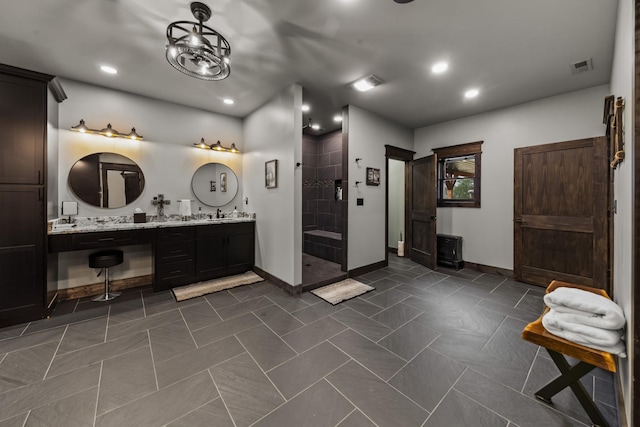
{"points": [[341, 291], [198, 289]]}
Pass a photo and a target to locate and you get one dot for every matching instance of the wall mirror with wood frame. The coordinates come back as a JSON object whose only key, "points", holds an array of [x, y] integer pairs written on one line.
{"points": [[214, 184], [106, 180]]}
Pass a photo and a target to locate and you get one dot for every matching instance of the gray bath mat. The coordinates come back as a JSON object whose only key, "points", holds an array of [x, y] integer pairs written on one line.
{"points": [[198, 289], [341, 291]]}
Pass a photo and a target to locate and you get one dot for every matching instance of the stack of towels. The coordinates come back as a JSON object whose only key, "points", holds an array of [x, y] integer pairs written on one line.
{"points": [[585, 318]]}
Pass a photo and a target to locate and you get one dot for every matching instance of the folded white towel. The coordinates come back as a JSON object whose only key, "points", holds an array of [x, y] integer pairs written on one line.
{"points": [[592, 309], [185, 207], [600, 339]]}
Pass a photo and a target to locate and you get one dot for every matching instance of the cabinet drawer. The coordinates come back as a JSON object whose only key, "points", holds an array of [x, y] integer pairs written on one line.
{"points": [[171, 251], [175, 234], [173, 274], [103, 239]]}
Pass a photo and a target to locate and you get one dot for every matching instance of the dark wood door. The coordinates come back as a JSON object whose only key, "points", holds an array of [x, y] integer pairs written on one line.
{"points": [[560, 213], [23, 112], [422, 206], [22, 255]]}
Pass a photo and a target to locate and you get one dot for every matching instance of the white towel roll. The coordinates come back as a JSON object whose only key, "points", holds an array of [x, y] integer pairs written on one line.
{"points": [[185, 207]]}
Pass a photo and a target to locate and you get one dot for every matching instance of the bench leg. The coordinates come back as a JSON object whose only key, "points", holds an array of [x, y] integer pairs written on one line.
{"points": [[570, 378]]}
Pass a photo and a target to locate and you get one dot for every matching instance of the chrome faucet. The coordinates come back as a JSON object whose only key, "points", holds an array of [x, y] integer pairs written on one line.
{"points": [[159, 201]]}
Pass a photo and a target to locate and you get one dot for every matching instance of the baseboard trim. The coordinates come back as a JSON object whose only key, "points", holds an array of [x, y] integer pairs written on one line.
{"points": [[393, 250], [98, 288], [295, 291], [489, 269], [368, 268]]}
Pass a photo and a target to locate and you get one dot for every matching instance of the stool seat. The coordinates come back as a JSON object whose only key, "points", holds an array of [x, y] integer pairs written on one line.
{"points": [[105, 259]]}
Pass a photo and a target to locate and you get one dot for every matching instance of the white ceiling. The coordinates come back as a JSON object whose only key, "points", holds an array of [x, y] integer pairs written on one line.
{"points": [[513, 51]]}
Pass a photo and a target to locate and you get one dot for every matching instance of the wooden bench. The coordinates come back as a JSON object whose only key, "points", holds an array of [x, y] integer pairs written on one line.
{"points": [[588, 358]]}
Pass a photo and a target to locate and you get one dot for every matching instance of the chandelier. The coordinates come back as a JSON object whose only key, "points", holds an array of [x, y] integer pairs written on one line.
{"points": [[197, 50]]}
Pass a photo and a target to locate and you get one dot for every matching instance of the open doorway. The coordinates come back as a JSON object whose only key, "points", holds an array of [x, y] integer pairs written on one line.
{"points": [[323, 202], [397, 197]]}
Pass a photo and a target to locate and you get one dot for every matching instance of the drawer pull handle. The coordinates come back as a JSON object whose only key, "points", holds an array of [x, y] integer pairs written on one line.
{"points": [[175, 251], [174, 271], [106, 239]]}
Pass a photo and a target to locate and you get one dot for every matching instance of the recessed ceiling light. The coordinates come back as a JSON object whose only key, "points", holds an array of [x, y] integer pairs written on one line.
{"points": [[366, 83], [315, 126], [228, 101], [337, 118], [305, 107], [439, 67], [471, 93], [109, 70]]}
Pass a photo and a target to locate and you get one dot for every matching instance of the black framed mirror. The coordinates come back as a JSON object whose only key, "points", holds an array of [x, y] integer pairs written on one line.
{"points": [[214, 184], [106, 180]]}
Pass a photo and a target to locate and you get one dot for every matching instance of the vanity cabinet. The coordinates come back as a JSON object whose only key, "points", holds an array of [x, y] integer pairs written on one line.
{"points": [[174, 258], [224, 249], [189, 254], [23, 234]]}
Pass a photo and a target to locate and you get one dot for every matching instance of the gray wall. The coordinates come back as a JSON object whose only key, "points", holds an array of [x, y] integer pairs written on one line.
{"points": [[488, 231], [622, 85]]}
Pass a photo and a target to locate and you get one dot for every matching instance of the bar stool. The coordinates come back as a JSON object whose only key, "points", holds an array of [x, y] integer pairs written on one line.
{"points": [[104, 260]]}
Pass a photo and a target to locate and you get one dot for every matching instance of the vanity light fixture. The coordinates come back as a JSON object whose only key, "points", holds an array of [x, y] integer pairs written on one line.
{"points": [[197, 50], [216, 147], [201, 144], [134, 135], [108, 131], [81, 127]]}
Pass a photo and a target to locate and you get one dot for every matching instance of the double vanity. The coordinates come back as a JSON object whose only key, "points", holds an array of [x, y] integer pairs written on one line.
{"points": [[184, 251]]}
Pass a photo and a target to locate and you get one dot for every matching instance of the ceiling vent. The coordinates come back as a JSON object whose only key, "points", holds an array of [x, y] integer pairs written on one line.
{"points": [[581, 66]]}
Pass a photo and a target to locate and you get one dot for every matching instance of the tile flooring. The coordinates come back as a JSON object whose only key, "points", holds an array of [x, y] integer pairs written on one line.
{"points": [[424, 349]]}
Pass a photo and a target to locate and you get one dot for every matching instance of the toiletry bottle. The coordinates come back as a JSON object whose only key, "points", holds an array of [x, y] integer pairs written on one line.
{"points": [[235, 212]]}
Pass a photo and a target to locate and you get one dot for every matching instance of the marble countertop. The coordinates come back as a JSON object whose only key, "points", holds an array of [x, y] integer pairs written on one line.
{"points": [[120, 223]]}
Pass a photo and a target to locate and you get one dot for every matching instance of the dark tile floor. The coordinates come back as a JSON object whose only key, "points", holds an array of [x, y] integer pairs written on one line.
{"points": [[424, 349], [317, 272]]}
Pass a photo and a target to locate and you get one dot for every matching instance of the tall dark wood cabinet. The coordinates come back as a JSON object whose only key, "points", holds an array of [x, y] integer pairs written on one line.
{"points": [[23, 194]]}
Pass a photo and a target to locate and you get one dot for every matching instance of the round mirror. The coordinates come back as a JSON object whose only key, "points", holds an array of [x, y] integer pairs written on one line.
{"points": [[214, 184], [106, 180]]}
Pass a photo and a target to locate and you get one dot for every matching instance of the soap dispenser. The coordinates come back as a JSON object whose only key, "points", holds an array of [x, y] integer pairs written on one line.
{"points": [[234, 214]]}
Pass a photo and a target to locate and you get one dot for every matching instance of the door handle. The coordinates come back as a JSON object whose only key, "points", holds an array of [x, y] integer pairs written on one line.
{"points": [[518, 220], [433, 217]]}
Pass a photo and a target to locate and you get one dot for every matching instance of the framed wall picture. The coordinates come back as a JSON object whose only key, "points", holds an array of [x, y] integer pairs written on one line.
{"points": [[271, 174], [373, 176]]}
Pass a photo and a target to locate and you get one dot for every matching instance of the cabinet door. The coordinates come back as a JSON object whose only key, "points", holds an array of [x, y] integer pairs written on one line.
{"points": [[210, 254], [22, 258], [240, 250], [23, 122]]}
